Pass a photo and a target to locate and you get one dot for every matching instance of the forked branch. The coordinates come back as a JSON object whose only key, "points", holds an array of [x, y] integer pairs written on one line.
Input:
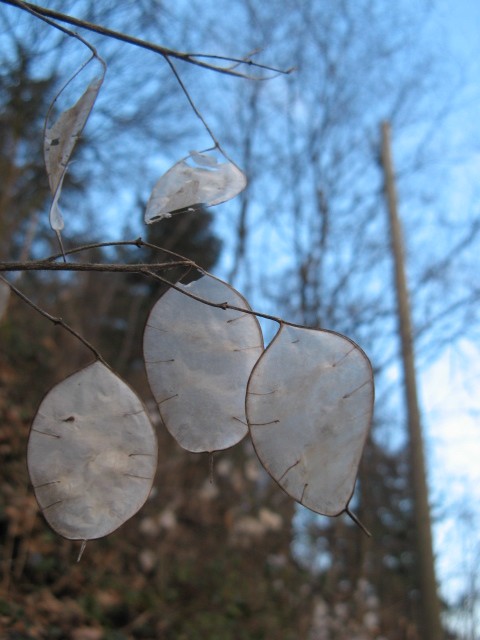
{"points": [[197, 59]]}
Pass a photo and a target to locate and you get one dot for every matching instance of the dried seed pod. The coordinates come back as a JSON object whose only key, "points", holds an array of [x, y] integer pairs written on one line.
{"points": [[309, 407], [198, 359], [92, 454]]}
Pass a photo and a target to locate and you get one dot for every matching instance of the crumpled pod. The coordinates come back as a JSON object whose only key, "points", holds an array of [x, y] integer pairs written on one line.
{"points": [[60, 139], [92, 454], [309, 407], [199, 180]]}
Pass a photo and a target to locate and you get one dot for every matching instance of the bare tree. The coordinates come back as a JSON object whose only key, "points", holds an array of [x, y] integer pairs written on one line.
{"points": [[316, 210], [423, 534]]}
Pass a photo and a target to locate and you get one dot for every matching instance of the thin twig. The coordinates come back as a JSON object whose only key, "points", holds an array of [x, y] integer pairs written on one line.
{"points": [[49, 264], [55, 320], [246, 61], [42, 14], [141, 243], [100, 245], [193, 106], [138, 242]]}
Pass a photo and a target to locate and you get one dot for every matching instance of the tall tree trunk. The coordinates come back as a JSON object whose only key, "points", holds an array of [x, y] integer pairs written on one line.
{"points": [[432, 627]]}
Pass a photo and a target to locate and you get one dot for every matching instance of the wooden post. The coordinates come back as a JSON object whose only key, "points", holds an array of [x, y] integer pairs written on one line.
{"points": [[432, 627]]}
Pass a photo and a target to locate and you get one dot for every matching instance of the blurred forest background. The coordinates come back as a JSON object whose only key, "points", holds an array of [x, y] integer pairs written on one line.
{"points": [[308, 240]]}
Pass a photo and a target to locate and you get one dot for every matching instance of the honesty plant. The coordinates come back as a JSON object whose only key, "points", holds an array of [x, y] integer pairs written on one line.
{"points": [[306, 400]]}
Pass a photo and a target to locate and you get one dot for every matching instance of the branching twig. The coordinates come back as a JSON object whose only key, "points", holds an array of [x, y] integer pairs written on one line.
{"points": [[42, 14], [143, 269], [191, 58], [138, 242]]}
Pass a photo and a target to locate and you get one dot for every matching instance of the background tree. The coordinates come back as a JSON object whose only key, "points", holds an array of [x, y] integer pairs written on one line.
{"points": [[24, 100], [328, 253]]}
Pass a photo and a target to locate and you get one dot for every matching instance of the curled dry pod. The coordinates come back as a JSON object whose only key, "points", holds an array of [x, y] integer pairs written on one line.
{"points": [[198, 360], [309, 407], [61, 137], [199, 180], [92, 454]]}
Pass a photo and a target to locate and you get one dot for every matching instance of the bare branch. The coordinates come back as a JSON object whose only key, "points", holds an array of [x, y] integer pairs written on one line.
{"points": [[191, 58], [142, 268], [48, 265]]}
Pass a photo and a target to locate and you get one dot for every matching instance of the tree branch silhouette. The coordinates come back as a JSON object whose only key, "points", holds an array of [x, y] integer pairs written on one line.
{"points": [[191, 58]]}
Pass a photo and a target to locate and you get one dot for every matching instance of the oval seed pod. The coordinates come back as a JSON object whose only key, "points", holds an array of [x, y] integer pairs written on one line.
{"points": [[309, 407], [198, 360], [92, 454]]}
